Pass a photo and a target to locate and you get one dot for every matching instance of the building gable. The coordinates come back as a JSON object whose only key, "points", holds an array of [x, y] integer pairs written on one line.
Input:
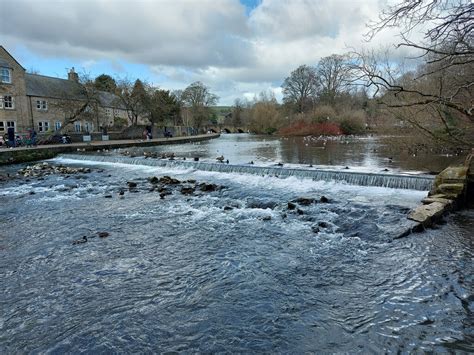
{"points": [[8, 61]]}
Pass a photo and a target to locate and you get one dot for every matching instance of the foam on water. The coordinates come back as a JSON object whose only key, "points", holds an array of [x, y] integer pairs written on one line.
{"points": [[422, 183]]}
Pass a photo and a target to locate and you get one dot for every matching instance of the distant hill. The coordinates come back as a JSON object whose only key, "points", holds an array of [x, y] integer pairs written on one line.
{"points": [[221, 111], [222, 108]]}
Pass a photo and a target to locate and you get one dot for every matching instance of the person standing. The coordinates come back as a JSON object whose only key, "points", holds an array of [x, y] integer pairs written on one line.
{"points": [[33, 137], [11, 137]]}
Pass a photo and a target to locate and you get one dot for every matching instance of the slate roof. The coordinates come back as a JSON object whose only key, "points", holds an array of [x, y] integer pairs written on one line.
{"points": [[46, 86]]}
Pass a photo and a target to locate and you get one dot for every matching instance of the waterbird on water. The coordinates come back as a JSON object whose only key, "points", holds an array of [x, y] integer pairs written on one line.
{"points": [[220, 159]]}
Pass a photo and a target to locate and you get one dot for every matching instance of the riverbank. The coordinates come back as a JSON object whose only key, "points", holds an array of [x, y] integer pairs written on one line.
{"points": [[26, 154]]}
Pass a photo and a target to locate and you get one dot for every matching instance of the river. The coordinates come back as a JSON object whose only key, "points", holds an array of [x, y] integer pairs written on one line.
{"points": [[235, 269]]}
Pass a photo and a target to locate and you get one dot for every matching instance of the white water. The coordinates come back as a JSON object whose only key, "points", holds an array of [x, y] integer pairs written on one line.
{"points": [[399, 181]]}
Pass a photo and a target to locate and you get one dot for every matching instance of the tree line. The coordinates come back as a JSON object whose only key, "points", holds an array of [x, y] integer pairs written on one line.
{"points": [[191, 106], [318, 99], [141, 101], [428, 96]]}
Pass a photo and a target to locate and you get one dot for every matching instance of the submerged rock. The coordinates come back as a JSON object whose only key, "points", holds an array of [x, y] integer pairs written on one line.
{"points": [[187, 190], [131, 184], [169, 180], [153, 180], [208, 187], [323, 224], [324, 199], [43, 169], [261, 204], [304, 201]]}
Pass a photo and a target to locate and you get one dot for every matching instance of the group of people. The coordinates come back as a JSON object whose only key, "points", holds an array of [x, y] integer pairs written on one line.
{"points": [[147, 134], [11, 139]]}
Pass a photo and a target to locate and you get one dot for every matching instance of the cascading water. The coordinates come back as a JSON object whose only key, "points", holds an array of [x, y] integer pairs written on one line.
{"points": [[421, 183]]}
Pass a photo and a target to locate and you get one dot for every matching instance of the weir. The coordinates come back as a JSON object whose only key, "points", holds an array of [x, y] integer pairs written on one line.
{"points": [[398, 181]]}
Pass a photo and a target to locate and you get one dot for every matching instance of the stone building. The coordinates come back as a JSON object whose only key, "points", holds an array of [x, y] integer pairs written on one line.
{"points": [[48, 104]]}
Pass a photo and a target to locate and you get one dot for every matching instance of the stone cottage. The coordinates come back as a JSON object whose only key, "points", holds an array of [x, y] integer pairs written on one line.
{"points": [[48, 104]]}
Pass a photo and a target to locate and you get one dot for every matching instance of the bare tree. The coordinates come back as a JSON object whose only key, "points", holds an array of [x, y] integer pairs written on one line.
{"points": [[437, 96], [198, 99], [78, 100], [334, 75], [301, 87], [237, 110]]}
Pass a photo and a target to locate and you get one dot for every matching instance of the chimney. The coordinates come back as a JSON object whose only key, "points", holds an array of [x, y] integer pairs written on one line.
{"points": [[72, 75]]}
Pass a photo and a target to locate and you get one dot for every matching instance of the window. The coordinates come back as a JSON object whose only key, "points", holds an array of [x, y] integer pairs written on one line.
{"points": [[77, 126], [7, 124], [8, 102], [5, 75], [108, 112], [43, 126], [41, 105], [57, 125], [88, 127]]}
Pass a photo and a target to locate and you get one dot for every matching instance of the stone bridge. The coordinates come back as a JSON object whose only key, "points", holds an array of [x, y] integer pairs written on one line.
{"points": [[227, 129]]}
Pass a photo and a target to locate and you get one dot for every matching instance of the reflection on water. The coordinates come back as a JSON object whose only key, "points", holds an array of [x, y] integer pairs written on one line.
{"points": [[368, 152]]}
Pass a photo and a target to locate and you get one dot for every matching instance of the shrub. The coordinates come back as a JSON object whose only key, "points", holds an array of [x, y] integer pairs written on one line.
{"points": [[352, 122], [323, 113], [305, 128]]}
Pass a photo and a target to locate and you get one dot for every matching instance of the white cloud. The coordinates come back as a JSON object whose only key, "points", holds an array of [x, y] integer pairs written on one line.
{"points": [[214, 41]]}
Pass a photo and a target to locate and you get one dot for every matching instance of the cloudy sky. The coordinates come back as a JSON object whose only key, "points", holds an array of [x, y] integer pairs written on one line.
{"points": [[237, 48]]}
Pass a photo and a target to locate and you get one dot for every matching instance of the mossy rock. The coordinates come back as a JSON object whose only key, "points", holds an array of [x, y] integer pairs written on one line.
{"points": [[452, 189], [454, 174]]}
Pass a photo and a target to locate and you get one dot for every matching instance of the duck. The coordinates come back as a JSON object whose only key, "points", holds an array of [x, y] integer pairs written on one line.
{"points": [[280, 164], [103, 234], [80, 241], [220, 159]]}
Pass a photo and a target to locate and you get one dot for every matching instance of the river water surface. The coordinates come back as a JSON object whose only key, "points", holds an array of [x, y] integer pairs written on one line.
{"points": [[232, 270]]}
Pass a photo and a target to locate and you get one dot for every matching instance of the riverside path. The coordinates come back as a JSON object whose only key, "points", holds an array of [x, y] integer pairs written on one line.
{"points": [[25, 154]]}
